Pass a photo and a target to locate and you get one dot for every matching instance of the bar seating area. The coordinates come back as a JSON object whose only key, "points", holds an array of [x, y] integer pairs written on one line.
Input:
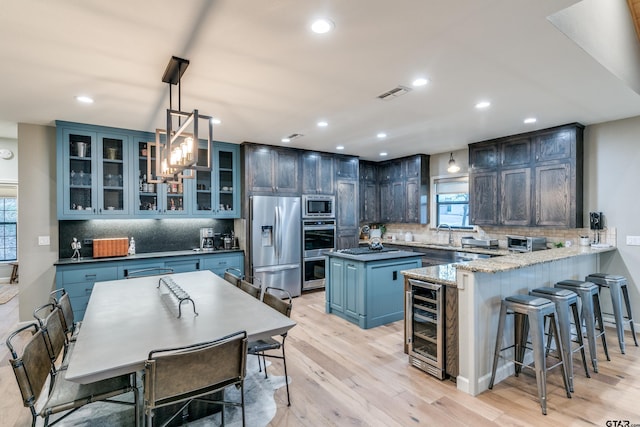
{"points": [[554, 312]]}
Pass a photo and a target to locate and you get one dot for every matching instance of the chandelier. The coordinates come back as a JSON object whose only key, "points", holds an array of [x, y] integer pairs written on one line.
{"points": [[179, 152]]}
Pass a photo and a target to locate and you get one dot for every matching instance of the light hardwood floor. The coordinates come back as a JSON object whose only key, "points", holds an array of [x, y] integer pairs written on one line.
{"points": [[346, 376]]}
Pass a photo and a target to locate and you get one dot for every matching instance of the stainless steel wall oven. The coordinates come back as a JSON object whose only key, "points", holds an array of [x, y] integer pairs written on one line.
{"points": [[425, 327], [318, 236]]}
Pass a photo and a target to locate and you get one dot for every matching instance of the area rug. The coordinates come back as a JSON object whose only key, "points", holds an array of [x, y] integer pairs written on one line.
{"points": [[7, 292], [260, 405]]}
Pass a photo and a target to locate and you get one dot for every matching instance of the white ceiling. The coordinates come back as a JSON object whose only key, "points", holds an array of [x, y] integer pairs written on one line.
{"points": [[256, 65]]}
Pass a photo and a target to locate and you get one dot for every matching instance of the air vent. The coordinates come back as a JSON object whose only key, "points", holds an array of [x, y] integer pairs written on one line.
{"points": [[294, 136], [394, 93]]}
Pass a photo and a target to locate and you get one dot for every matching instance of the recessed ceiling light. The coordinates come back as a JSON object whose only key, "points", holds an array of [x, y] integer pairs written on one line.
{"points": [[340, 147], [322, 26], [530, 120], [421, 81], [483, 104], [381, 135], [215, 120], [84, 99], [383, 154], [285, 140], [322, 124]]}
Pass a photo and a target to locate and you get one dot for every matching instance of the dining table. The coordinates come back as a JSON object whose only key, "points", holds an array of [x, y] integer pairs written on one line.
{"points": [[126, 319]]}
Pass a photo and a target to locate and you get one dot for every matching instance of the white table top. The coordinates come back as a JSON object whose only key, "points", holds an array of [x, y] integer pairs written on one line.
{"points": [[126, 319]]}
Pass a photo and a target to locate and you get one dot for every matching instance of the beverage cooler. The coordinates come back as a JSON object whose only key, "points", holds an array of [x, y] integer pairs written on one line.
{"points": [[425, 326]]}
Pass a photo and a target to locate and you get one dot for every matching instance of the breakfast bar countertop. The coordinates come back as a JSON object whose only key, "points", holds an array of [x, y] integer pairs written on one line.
{"points": [[446, 273]]}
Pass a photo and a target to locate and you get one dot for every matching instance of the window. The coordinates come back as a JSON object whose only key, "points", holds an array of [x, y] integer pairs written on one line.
{"points": [[8, 229], [452, 202]]}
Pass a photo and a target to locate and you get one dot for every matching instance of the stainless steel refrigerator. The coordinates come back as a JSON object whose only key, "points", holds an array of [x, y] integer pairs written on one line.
{"points": [[276, 255]]}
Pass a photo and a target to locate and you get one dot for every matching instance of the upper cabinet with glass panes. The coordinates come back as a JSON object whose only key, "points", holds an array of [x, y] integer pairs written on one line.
{"points": [[110, 173]]}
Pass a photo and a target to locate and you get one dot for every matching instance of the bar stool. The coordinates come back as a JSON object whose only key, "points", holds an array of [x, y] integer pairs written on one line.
{"points": [[565, 301], [591, 313], [530, 310], [618, 288]]}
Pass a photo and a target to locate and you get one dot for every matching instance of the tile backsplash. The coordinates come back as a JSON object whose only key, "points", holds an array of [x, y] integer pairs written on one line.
{"points": [[151, 235], [427, 234]]}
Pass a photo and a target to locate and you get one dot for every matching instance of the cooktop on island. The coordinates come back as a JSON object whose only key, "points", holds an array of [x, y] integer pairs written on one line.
{"points": [[365, 251]]}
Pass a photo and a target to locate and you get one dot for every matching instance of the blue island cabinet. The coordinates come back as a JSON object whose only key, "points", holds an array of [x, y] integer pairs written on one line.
{"points": [[367, 292]]}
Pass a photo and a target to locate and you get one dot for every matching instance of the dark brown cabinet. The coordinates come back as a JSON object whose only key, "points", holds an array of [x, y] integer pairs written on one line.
{"points": [[271, 170], [346, 181], [317, 173], [369, 193], [403, 188], [532, 179]]}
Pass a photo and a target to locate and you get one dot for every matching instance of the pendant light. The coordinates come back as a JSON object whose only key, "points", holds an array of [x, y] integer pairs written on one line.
{"points": [[453, 168], [178, 152]]}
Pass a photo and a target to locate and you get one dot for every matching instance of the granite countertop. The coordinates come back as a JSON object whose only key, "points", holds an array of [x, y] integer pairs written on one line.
{"points": [[446, 273], [442, 246], [374, 256], [148, 255]]}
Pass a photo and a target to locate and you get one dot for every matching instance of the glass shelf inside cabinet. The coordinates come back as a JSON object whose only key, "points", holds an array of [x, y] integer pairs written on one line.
{"points": [[147, 191], [225, 178], [80, 178], [112, 174]]}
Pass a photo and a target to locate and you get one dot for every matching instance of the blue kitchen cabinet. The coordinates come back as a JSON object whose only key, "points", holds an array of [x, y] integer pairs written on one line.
{"points": [[78, 277], [219, 263], [105, 172], [93, 173], [217, 193], [78, 281], [367, 292]]}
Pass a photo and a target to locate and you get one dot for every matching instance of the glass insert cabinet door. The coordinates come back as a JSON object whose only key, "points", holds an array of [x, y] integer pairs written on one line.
{"points": [[80, 197], [113, 174], [217, 192], [155, 199]]}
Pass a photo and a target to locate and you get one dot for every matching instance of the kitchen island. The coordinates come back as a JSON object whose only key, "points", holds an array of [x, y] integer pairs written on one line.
{"points": [[366, 288], [482, 284]]}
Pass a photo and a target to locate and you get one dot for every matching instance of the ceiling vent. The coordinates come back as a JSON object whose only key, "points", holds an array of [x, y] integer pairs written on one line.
{"points": [[294, 136], [394, 93]]}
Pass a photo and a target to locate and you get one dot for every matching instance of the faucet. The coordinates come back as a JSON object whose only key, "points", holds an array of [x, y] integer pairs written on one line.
{"points": [[450, 235]]}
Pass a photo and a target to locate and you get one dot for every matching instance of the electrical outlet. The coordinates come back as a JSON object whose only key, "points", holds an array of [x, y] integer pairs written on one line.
{"points": [[87, 242], [633, 240], [44, 241]]}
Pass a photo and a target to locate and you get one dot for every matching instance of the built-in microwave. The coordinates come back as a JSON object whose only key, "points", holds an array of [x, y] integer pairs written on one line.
{"points": [[318, 206]]}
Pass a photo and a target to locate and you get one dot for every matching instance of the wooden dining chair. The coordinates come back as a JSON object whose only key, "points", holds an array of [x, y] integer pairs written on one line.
{"points": [[250, 288], [32, 368], [50, 321], [280, 300], [60, 298], [184, 374], [233, 276]]}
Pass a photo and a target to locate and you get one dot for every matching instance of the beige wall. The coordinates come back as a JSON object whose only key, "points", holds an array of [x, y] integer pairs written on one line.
{"points": [[9, 168], [36, 215], [612, 177]]}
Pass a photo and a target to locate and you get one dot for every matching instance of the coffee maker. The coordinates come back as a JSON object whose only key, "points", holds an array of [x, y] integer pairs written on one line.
{"points": [[207, 239]]}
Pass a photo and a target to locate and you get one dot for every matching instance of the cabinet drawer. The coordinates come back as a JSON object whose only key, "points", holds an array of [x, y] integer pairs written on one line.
{"points": [[184, 265], [218, 264], [89, 275]]}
